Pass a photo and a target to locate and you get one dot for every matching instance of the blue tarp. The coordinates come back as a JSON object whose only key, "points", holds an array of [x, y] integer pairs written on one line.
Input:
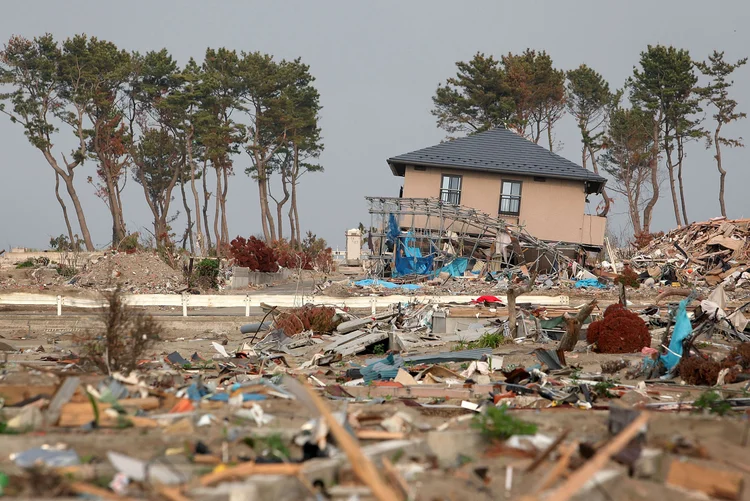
{"points": [[411, 263], [393, 229], [456, 268], [386, 284], [682, 329], [590, 283]]}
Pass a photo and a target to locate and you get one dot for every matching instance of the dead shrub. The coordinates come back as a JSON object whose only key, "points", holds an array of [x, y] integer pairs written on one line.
{"points": [[620, 331], [740, 355], [614, 366], [127, 334], [307, 318], [702, 371]]}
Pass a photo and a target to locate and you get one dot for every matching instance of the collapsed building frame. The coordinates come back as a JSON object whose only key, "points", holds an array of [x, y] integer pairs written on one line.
{"points": [[422, 237]]}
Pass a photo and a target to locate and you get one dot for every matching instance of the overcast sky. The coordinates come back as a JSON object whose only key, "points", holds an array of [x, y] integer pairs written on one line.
{"points": [[377, 65]]}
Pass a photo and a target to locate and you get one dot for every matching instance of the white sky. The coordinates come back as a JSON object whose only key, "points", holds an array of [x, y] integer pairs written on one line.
{"points": [[377, 65]]}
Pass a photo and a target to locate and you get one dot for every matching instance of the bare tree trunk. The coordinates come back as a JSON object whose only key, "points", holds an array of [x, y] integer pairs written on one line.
{"points": [[217, 203], [224, 225], [680, 158], [605, 209], [549, 134], [293, 213], [267, 205], [198, 230], [64, 210], [206, 198], [513, 293], [654, 166], [68, 180], [280, 205], [573, 327], [188, 214], [151, 205], [722, 172], [261, 189], [670, 169]]}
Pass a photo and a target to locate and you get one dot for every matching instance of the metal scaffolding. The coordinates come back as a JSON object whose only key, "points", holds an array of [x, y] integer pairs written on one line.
{"points": [[445, 232]]}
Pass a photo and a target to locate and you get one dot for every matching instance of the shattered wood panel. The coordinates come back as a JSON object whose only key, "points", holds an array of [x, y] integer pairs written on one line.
{"points": [[357, 344]]}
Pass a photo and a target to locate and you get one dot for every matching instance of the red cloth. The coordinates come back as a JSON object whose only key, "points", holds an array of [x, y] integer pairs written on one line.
{"points": [[486, 299]]}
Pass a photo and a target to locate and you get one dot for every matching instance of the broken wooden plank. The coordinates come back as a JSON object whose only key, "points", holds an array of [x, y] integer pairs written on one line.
{"points": [[13, 394], [62, 396], [353, 325], [583, 474], [361, 465], [715, 483], [172, 493], [83, 488], [251, 468], [73, 415], [379, 435], [549, 450]]}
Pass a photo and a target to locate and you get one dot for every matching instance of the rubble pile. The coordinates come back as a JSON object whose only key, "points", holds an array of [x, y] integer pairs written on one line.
{"points": [[708, 253], [514, 395], [140, 272]]}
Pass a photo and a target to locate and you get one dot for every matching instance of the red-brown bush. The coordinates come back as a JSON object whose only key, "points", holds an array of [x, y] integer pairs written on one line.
{"points": [[313, 255], [641, 240], [702, 371], [253, 253], [628, 277], [620, 331], [307, 318]]}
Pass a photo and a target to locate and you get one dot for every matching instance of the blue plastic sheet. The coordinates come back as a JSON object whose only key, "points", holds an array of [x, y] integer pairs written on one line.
{"points": [[682, 329], [246, 397], [393, 229], [410, 262], [386, 284], [590, 283], [456, 268]]}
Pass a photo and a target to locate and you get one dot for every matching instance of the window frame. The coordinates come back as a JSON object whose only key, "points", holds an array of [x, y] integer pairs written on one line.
{"points": [[448, 191], [510, 197]]}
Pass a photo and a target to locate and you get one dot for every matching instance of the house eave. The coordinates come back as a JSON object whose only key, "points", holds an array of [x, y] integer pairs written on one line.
{"points": [[592, 185]]}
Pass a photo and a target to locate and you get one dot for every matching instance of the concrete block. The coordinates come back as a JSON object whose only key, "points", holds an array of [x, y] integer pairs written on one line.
{"points": [[448, 446]]}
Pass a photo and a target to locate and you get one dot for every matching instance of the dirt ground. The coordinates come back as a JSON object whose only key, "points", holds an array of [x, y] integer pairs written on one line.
{"points": [[452, 461]]}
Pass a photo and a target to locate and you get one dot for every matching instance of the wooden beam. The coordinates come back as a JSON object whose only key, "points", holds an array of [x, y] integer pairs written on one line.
{"points": [[583, 474], [251, 468], [83, 488], [715, 483], [549, 450], [361, 464]]}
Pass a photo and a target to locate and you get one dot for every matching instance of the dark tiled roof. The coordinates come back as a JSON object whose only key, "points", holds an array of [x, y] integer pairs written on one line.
{"points": [[497, 150]]}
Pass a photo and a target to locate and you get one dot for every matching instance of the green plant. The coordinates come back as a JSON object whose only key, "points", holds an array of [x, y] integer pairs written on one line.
{"points": [[712, 403], [495, 423], [66, 271], [378, 349], [602, 389], [207, 273], [272, 445], [129, 244], [29, 263]]}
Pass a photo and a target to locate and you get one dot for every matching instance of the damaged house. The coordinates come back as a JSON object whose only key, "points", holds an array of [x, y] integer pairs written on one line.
{"points": [[478, 196], [500, 173]]}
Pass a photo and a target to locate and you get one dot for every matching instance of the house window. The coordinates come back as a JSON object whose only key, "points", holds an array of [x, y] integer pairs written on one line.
{"points": [[510, 198], [450, 190]]}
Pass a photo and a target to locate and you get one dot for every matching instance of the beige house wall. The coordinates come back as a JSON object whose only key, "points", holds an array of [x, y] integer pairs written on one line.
{"points": [[552, 209]]}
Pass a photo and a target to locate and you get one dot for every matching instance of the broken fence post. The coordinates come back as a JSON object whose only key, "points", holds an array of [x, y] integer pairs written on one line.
{"points": [[59, 305], [247, 305], [373, 305], [184, 304]]}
